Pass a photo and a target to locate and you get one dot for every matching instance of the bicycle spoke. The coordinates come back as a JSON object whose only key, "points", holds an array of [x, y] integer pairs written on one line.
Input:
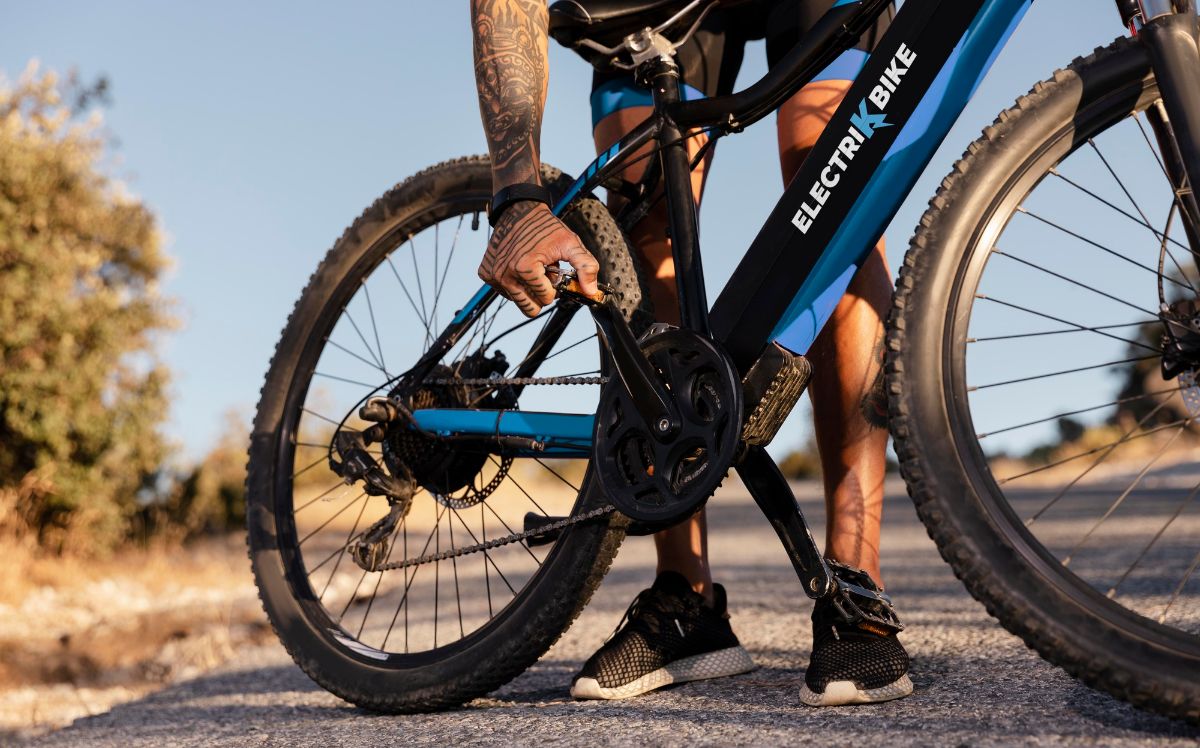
{"points": [[1020, 336], [1153, 151], [1182, 583], [308, 467], [408, 585], [522, 489], [417, 272], [437, 576], [340, 553], [511, 531], [454, 565], [336, 514], [370, 351], [352, 598], [1072, 281], [1133, 202], [1124, 495], [1110, 448], [1112, 591], [1060, 373], [556, 475], [374, 593], [1082, 328], [1096, 244], [564, 350], [1126, 437], [375, 329], [487, 580], [412, 303], [345, 380], [1055, 417], [327, 420], [323, 494]]}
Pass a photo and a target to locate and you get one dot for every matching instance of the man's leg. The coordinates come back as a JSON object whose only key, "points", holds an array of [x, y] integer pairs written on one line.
{"points": [[684, 547], [849, 406], [849, 665], [679, 629]]}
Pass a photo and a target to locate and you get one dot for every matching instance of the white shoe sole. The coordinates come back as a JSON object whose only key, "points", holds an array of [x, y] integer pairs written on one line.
{"points": [[718, 664], [842, 692]]}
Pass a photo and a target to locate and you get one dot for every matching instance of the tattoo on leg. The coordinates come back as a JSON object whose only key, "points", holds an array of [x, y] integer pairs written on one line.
{"points": [[874, 406]]}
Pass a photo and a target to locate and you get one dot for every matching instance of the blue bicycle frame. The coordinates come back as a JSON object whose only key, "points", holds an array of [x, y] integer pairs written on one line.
{"points": [[908, 95]]}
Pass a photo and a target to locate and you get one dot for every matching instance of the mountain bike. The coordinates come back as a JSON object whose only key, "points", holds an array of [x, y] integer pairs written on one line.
{"points": [[437, 484]]}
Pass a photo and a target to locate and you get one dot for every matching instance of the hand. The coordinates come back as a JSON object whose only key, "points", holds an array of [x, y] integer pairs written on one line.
{"points": [[528, 238]]}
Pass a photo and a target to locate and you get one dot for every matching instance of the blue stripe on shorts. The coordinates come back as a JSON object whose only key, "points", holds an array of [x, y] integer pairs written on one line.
{"points": [[622, 93]]}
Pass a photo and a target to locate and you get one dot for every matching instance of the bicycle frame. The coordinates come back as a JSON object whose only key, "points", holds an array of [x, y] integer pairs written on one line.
{"points": [[909, 94]]}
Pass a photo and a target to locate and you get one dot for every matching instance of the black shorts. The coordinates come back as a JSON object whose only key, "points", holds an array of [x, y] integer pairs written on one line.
{"points": [[710, 60]]}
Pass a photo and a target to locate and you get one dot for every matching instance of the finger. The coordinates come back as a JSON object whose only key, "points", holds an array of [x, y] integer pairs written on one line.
{"points": [[587, 270], [517, 295], [532, 274]]}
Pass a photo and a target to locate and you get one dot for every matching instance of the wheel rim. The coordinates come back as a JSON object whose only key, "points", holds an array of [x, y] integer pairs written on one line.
{"points": [[1129, 539], [413, 616]]}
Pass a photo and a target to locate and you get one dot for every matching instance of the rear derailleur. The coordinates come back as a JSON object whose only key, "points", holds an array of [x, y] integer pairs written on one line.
{"points": [[412, 458]]}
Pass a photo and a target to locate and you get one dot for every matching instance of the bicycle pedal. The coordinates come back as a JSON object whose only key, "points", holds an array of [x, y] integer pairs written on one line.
{"points": [[860, 602], [772, 387]]}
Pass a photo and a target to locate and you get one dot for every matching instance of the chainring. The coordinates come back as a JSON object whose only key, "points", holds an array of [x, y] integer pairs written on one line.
{"points": [[662, 480]]}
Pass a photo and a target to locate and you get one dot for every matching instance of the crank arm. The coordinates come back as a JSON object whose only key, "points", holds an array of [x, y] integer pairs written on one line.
{"points": [[777, 502], [652, 400]]}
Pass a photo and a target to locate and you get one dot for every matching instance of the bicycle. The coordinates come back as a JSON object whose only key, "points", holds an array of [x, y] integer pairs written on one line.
{"points": [[455, 441]]}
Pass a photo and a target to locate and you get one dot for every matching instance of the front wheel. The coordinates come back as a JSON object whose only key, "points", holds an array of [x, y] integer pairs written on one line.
{"points": [[1052, 462], [459, 607]]}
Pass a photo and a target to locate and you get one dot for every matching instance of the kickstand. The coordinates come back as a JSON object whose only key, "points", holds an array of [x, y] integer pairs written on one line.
{"points": [[777, 502]]}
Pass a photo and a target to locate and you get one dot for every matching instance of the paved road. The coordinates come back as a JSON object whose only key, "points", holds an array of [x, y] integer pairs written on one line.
{"points": [[976, 684]]}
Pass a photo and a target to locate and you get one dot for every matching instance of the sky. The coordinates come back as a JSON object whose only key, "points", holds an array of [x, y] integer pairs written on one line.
{"points": [[258, 131]]}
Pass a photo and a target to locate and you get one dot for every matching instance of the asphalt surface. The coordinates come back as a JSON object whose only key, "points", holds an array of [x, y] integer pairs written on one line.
{"points": [[975, 683]]}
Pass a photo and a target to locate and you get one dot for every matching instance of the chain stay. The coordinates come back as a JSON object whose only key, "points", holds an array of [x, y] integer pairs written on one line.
{"points": [[515, 381], [497, 542]]}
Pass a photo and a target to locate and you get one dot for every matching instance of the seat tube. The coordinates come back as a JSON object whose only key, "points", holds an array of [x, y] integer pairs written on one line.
{"points": [[681, 204]]}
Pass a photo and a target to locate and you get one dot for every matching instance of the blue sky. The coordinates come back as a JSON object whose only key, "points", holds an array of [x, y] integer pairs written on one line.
{"points": [[258, 131]]}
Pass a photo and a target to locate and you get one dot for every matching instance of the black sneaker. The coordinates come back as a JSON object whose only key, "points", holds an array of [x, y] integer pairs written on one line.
{"points": [[668, 635], [853, 664]]}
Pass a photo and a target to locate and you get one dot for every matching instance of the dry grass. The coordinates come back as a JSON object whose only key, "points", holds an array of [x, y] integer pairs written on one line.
{"points": [[77, 635]]}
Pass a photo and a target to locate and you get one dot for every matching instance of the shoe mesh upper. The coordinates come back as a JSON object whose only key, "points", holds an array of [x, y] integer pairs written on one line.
{"points": [[665, 623], [842, 652]]}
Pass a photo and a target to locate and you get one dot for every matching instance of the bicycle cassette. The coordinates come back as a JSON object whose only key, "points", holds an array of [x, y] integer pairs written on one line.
{"points": [[663, 478]]}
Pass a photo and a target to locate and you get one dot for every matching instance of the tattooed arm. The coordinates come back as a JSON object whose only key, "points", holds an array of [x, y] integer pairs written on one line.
{"points": [[510, 40]]}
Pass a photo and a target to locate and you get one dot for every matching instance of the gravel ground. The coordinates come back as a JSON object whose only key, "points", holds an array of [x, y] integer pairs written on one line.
{"points": [[975, 683]]}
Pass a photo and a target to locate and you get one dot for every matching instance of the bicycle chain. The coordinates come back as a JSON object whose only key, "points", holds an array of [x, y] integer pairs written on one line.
{"points": [[523, 381], [516, 537]]}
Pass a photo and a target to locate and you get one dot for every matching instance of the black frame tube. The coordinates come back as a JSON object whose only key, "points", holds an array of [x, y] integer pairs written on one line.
{"points": [[681, 204]]}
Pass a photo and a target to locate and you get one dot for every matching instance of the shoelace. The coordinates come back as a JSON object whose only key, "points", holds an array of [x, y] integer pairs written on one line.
{"points": [[649, 603]]}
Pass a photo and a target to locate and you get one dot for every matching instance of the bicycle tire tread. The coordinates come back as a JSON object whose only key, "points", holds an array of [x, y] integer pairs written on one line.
{"points": [[998, 595], [513, 656]]}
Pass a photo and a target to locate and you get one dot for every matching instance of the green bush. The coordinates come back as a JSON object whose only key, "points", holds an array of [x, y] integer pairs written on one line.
{"points": [[82, 392]]}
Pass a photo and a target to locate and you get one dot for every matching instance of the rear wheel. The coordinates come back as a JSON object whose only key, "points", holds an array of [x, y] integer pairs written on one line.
{"points": [[1053, 464], [464, 607]]}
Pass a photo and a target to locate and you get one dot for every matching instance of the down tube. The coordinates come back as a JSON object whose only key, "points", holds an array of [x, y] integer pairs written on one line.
{"points": [[945, 99]]}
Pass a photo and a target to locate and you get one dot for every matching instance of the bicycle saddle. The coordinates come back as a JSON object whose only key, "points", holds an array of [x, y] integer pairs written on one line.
{"points": [[583, 25]]}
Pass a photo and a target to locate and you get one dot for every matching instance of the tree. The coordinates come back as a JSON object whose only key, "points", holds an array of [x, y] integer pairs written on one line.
{"points": [[82, 392]]}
